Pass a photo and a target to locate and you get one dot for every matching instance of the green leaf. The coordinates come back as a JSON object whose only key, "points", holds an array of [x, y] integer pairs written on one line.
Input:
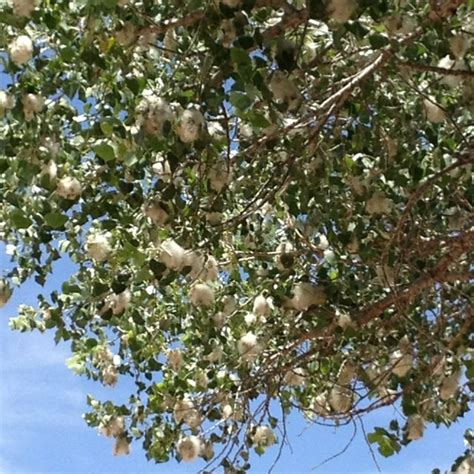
{"points": [[105, 151], [55, 220], [378, 41], [19, 220]]}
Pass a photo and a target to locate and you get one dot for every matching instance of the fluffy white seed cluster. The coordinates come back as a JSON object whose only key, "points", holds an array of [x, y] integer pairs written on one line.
{"points": [[228, 33], [175, 359], [190, 125], [184, 412], [121, 446], [32, 104], [98, 245], [295, 377], [285, 91], [306, 295], [459, 44], [400, 24], [23, 7], [156, 213], [189, 448], [341, 10], [6, 102], [415, 427], [282, 259], [262, 305], [401, 362], [118, 303], [153, 112], [378, 204], [434, 113], [263, 436], [5, 293], [248, 346], [449, 386], [454, 65], [340, 399], [320, 405], [21, 50], [69, 188], [172, 255], [49, 169], [162, 169], [201, 294], [202, 267], [115, 427], [219, 175], [104, 361]]}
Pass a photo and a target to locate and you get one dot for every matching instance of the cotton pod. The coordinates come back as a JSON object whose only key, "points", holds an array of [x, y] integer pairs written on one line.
{"points": [[175, 359], [229, 304], [32, 104], [454, 65], [114, 428], [189, 448], [228, 33], [434, 113], [220, 175], [163, 170], [219, 319], [98, 245], [21, 50], [172, 255], [401, 363], [295, 377], [215, 355], [203, 267], [109, 375], [49, 169], [466, 466], [248, 346], [341, 10], [285, 90], [346, 373], [5, 293], [378, 204], [320, 405], [201, 294], [153, 113], [190, 125], [69, 188], [6, 102], [340, 399], [262, 305], [23, 7], [126, 35], [263, 436], [185, 412], [121, 447], [156, 212], [459, 44], [118, 303], [344, 321], [284, 259], [415, 427], [306, 295], [449, 386], [207, 450], [226, 411], [400, 24]]}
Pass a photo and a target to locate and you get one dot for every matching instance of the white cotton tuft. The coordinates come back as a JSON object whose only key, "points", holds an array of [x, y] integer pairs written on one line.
{"points": [[434, 113], [69, 188], [229, 304], [341, 10], [378, 204], [171, 255], [295, 377], [452, 64], [283, 259], [185, 412], [49, 169], [248, 346], [190, 125], [344, 321], [6, 102], [114, 428], [415, 427], [21, 50], [202, 267], [262, 305], [228, 33], [156, 213], [118, 303], [189, 448], [227, 411], [400, 24], [32, 104], [109, 375], [401, 363], [306, 295], [459, 45], [117, 360], [263, 436], [23, 7], [341, 399], [285, 90], [175, 359], [219, 175], [320, 405], [449, 386], [163, 170], [121, 447], [201, 295], [126, 35], [153, 113], [98, 245], [5, 293]]}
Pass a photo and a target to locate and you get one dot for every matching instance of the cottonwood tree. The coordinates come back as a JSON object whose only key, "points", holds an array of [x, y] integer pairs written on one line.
{"points": [[267, 206]]}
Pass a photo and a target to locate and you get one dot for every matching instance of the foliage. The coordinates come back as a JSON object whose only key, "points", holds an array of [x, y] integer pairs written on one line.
{"points": [[268, 206]]}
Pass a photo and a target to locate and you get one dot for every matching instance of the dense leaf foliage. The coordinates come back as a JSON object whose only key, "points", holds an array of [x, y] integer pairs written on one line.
{"points": [[267, 205]]}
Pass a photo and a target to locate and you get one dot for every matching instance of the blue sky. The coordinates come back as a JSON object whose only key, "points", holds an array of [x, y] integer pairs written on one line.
{"points": [[41, 429]]}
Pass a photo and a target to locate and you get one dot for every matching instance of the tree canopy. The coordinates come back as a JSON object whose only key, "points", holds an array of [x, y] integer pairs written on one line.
{"points": [[267, 206]]}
